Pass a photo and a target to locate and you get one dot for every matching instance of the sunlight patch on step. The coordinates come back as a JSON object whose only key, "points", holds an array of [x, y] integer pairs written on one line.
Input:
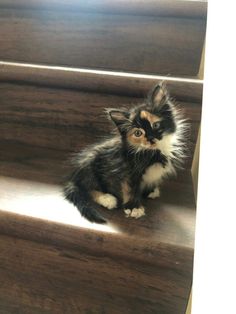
{"points": [[44, 201]]}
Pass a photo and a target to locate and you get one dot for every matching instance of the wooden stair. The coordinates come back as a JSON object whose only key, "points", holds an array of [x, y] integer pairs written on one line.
{"points": [[133, 266], [52, 260]]}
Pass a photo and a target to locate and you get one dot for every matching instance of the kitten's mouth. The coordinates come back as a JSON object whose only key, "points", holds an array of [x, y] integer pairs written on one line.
{"points": [[150, 145], [159, 137], [152, 142], [153, 145]]}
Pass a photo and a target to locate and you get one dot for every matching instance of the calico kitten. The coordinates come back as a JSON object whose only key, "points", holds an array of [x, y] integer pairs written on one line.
{"points": [[118, 172]]}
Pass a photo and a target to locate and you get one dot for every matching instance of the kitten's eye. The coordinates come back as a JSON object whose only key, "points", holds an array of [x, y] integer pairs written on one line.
{"points": [[138, 133], [156, 125]]}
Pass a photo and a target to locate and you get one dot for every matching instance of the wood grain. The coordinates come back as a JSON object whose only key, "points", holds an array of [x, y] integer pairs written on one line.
{"points": [[41, 277], [125, 84], [190, 9], [67, 119], [141, 44], [31, 162]]}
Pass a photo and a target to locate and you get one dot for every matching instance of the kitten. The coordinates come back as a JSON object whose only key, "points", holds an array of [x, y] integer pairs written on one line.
{"points": [[117, 173]]}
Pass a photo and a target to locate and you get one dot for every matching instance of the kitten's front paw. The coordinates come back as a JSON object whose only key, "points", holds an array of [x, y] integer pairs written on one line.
{"points": [[135, 212], [107, 200], [154, 194]]}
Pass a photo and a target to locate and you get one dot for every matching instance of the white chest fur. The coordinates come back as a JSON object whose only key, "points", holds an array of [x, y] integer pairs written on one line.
{"points": [[155, 173]]}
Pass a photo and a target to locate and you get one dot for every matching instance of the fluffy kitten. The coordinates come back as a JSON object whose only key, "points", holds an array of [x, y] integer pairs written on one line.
{"points": [[129, 165]]}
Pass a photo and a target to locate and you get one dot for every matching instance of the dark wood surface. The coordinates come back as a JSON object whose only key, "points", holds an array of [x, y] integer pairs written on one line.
{"points": [[59, 275], [118, 83], [137, 43], [190, 9], [33, 163], [67, 119]]}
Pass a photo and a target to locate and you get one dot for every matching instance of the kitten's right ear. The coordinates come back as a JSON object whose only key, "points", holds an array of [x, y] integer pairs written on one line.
{"points": [[158, 95], [119, 117]]}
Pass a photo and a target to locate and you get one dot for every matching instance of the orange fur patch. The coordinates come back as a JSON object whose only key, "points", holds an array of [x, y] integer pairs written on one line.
{"points": [[140, 141], [150, 117], [137, 141], [125, 191]]}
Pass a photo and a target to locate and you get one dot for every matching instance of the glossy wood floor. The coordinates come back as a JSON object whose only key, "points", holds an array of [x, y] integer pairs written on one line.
{"points": [[53, 261]]}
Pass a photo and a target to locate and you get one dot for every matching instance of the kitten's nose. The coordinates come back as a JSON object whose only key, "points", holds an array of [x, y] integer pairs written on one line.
{"points": [[151, 140]]}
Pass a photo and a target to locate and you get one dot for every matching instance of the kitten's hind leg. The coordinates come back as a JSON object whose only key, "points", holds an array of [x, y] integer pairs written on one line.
{"points": [[105, 199]]}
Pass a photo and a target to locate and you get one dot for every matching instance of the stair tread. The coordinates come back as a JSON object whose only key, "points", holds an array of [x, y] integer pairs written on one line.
{"points": [[30, 185], [43, 264]]}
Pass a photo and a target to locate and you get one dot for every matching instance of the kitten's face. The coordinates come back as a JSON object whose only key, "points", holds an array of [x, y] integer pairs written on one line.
{"points": [[145, 126], [148, 128]]}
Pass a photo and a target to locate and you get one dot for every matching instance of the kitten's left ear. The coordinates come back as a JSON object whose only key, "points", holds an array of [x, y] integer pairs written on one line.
{"points": [[159, 95], [119, 117]]}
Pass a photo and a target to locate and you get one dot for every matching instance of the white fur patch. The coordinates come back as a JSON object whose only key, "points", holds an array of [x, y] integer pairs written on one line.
{"points": [[135, 212], [155, 193], [166, 144], [107, 200], [154, 174]]}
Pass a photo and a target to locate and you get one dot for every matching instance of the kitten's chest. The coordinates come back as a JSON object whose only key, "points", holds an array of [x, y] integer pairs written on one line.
{"points": [[154, 173], [162, 167]]}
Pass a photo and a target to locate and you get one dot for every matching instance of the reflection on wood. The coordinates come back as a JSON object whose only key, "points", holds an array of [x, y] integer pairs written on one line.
{"points": [[180, 8], [118, 83]]}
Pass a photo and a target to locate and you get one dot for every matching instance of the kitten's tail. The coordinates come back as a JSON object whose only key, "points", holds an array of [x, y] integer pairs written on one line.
{"points": [[79, 197]]}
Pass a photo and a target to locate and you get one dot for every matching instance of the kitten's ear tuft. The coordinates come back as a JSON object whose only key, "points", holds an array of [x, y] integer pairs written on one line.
{"points": [[118, 116], [159, 95]]}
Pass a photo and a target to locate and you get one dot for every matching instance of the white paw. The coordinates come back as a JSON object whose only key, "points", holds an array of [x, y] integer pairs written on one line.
{"points": [[107, 200], [154, 194], [135, 212]]}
